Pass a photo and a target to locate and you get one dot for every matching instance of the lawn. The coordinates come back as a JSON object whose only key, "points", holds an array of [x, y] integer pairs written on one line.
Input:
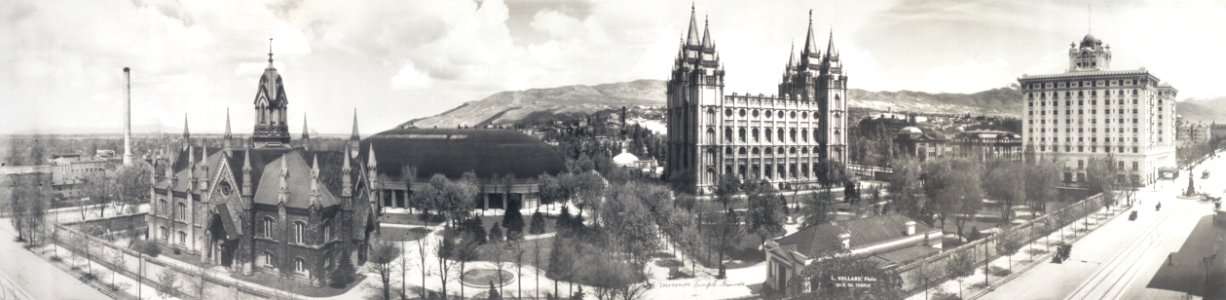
{"points": [[308, 290], [546, 245], [403, 234]]}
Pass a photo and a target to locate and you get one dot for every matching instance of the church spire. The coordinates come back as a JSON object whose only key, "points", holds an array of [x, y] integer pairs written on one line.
{"points": [[187, 135], [270, 53], [692, 37], [227, 135], [354, 136], [306, 134], [792, 56], [810, 41], [315, 180], [706, 33], [831, 52]]}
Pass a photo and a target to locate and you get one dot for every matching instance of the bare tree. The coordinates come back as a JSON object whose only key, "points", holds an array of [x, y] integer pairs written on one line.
{"points": [[381, 257], [421, 257]]}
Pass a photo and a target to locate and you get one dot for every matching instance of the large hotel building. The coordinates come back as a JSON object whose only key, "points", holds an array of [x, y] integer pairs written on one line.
{"points": [[780, 138], [1094, 112]]}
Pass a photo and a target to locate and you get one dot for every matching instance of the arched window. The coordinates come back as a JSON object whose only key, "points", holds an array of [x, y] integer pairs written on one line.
{"points": [[299, 265], [770, 151], [162, 207], [298, 233], [268, 259], [711, 135], [780, 133], [804, 115], [793, 114], [742, 112], [181, 213], [837, 101], [755, 113], [267, 228], [182, 238], [741, 134], [768, 136], [770, 171], [327, 232], [804, 134], [755, 135], [727, 134], [792, 135], [165, 233]]}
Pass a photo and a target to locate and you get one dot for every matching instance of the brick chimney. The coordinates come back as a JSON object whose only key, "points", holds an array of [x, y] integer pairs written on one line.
{"points": [[910, 227], [845, 238]]}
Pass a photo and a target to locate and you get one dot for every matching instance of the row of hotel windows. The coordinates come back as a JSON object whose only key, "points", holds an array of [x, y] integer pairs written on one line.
{"points": [[1093, 93], [1043, 102], [767, 133], [1080, 139], [1092, 111], [1086, 83], [1082, 130], [1106, 149], [1082, 121]]}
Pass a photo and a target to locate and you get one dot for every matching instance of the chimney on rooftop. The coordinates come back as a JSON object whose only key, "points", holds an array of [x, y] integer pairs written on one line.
{"points": [[845, 238], [910, 227]]}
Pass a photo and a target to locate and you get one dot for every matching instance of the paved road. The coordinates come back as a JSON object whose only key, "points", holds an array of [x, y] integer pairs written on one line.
{"points": [[24, 275], [1119, 259]]}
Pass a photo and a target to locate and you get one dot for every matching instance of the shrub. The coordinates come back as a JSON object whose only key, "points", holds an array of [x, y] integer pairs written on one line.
{"points": [[147, 247], [342, 275]]}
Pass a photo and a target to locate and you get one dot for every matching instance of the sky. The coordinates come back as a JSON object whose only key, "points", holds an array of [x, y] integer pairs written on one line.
{"points": [[396, 60]]}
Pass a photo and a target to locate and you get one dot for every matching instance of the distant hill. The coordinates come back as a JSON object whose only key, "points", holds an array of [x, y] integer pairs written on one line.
{"points": [[510, 106], [1202, 110]]}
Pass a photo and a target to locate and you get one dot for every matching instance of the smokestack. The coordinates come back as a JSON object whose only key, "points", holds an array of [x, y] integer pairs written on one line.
{"points": [[127, 117]]}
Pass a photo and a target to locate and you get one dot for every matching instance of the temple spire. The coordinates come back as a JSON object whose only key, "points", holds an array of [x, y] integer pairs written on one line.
{"points": [[269, 53], [354, 135], [187, 135], [706, 33], [792, 55], [692, 37], [831, 52], [810, 41]]}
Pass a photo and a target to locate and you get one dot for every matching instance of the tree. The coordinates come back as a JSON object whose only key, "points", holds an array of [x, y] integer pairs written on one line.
{"points": [[907, 192], [538, 223], [101, 190], [445, 250], [1041, 183], [955, 185], [1101, 178], [381, 257], [536, 259], [519, 269], [513, 221], [766, 208], [550, 190], [1005, 181], [726, 231], [1008, 242], [466, 250], [168, 284], [817, 208], [560, 262], [132, 185], [497, 255], [960, 265], [494, 295], [496, 233], [726, 190], [342, 275], [830, 172], [421, 258]]}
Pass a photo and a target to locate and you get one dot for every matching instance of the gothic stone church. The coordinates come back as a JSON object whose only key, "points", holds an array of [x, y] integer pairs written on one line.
{"points": [[269, 206]]}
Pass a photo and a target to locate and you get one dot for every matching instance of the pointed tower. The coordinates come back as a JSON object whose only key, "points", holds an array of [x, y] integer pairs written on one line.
{"points": [[187, 135], [695, 85], [271, 105], [314, 181], [247, 192], [306, 131], [354, 138], [227, 138], [832, 100], [283, 182]]}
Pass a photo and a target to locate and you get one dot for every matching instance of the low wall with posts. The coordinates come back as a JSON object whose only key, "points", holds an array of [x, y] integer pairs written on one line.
{"points": [[136, 265], [113, 223], [930, 271]]}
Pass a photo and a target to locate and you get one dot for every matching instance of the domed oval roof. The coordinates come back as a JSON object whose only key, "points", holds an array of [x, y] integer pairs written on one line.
{"points": [[1089, 41], [625, 159]]}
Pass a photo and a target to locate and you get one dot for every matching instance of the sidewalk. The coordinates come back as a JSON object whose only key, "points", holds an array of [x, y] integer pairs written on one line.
{"points": [[36, 277]]}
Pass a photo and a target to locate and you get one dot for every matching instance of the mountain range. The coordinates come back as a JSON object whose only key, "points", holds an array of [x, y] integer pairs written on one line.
{"points": [[509, 106]]}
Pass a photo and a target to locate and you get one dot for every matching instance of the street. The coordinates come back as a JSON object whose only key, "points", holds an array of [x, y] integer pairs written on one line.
{"points": [[24, 275], [1117, 260]]}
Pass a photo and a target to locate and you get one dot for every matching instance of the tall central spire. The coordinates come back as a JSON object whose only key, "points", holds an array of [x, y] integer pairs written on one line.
{"points": [[692, 37], [810, 41], [270, 52], [706, 32]]}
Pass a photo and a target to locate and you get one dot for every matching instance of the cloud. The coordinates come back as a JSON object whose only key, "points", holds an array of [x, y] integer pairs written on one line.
{"points": [[396, 60]]}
